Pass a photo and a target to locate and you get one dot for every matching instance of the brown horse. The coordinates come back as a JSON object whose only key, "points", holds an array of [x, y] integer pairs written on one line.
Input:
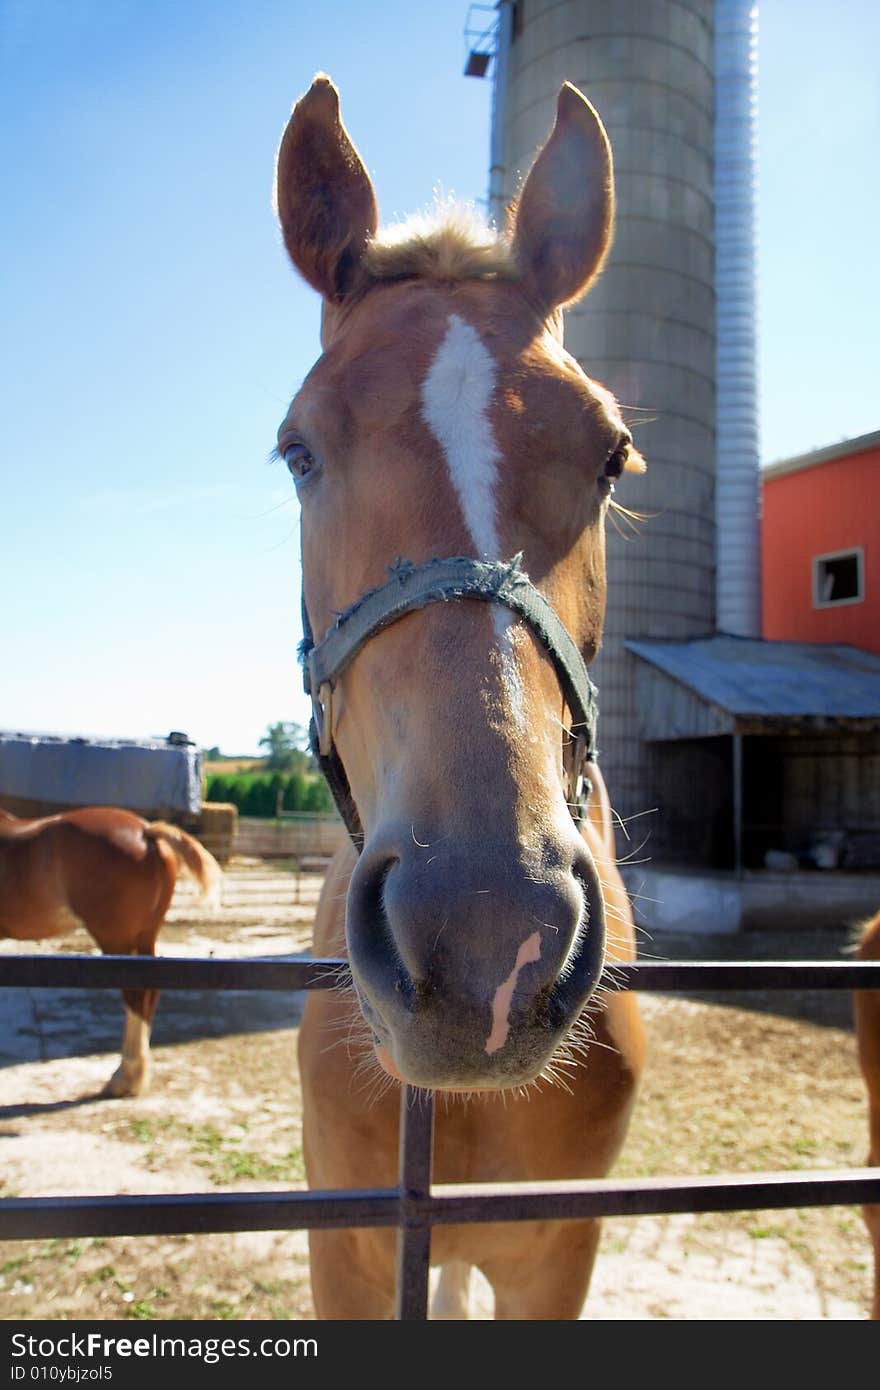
{"points": [[443, 431], [112, 873], [867, 1020]]}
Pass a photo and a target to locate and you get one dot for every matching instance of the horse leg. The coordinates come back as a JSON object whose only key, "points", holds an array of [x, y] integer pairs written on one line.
{"points": [[871, 1213], [132, 1076], [552, 1285], [872, 1221], [450, 1301], [349, 1280], [866, 1004]]}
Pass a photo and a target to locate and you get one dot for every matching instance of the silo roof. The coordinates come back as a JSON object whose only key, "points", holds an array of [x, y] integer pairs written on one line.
{"points": [[750, 680]]}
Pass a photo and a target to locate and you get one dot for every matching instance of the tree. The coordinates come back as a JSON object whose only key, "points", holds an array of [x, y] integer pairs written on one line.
{"points": [[295, 791], [285, 744], [317, 798]]}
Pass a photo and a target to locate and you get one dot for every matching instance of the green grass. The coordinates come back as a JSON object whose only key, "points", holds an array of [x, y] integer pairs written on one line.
{"points": [[222, 1155], [145, 1309]]}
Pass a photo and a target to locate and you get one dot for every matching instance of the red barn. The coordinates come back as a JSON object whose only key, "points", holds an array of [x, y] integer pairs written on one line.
{"points": [[780, 735], [820, 544]]}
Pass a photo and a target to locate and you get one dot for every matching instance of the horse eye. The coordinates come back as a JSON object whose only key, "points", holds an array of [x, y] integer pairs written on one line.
{"points": [[299, 461], [615, 465]]}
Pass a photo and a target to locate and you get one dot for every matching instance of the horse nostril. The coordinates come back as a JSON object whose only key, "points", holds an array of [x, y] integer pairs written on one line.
{"points": [[582, 966], [471, 961], [372, 893], [369, 933]]}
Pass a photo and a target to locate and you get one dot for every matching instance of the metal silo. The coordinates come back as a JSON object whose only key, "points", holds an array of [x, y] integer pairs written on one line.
{"points": [[738, 479], [647, 329]]}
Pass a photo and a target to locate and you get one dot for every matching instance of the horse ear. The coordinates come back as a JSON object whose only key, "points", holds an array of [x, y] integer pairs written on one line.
{"points": [[564, 219], [324, 199]]}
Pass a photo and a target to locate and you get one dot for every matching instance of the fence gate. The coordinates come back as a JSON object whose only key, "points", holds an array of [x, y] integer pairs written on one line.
{"points": [[416, 1204]]}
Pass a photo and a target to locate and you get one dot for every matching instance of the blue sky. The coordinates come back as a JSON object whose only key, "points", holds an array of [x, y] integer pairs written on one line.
{"points": [[154, 331]]}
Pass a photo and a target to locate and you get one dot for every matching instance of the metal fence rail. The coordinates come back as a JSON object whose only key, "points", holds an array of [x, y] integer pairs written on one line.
{"points": [[328, 972], [416, 1205]]}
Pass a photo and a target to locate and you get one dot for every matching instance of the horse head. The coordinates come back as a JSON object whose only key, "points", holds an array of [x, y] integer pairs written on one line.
{"points": [[446, 440]]}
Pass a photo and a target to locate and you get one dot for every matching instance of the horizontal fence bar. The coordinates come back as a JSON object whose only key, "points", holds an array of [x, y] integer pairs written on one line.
{"points": [[195, 1213], [743, 974], [307, 972], [662, 1196], [447, 1204], [171, 972]]}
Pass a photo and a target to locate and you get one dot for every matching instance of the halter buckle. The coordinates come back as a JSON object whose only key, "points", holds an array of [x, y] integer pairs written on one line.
{"points": [[412, 587], [322, 711], [577, 788]]}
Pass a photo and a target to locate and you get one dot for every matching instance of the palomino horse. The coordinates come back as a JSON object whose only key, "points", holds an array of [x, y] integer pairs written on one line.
{"points": [[867, 1020], [447, 438], [113, 873]]}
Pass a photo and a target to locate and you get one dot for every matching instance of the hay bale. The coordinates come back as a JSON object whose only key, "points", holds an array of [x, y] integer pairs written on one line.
{"points": [[216, 828]]}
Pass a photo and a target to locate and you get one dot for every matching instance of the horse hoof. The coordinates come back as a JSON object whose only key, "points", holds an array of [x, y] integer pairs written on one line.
{"points": [[126, 1083]]}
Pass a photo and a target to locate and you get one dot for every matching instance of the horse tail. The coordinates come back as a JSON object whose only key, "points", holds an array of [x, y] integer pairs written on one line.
{"points": [[193, 859], [868, 942]]}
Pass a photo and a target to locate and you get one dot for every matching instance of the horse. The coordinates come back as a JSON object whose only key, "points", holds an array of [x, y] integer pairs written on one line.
{"points": [[113, 873], [866, 1005], [454, 468]]}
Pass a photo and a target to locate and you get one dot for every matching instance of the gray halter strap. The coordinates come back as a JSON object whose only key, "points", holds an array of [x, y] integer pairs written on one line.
{"points": [[408, 588]]}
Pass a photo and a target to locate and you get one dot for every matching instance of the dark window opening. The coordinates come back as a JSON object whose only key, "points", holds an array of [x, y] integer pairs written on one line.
{"points": [[837, 578]]}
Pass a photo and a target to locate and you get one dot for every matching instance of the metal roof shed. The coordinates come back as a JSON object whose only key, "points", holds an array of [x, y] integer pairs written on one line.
{"points": [[728, 685], [735, 686]]}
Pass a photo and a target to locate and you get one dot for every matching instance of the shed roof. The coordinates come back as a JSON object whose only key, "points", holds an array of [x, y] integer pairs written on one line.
{"points": [[749, 682]]}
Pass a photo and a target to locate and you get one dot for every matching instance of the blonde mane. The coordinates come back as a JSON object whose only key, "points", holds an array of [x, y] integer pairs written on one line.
{"points": [[449, 242]]}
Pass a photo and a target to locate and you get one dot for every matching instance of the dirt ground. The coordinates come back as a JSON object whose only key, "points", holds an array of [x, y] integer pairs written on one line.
{"points": [[734, 1083]]}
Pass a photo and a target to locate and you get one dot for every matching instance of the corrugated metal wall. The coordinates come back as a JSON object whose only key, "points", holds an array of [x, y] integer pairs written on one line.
{"points": [[737, 494]]}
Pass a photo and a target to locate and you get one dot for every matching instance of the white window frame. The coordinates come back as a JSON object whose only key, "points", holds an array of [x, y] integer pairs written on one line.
{"points": [[858, 552]]}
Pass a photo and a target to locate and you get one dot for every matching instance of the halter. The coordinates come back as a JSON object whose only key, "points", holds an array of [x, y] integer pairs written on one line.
{"points": [[414, 586]]}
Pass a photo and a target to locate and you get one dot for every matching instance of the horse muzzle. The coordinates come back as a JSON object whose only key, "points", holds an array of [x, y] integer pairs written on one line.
{"points": [[472, 961]]}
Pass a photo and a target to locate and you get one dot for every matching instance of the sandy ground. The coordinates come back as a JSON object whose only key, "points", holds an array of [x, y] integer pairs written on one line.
{"points": [[733, 1084]]}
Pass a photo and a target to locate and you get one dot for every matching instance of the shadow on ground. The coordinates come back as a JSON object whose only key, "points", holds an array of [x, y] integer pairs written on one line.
{"points": [[38, 1025], [826, 1007]]}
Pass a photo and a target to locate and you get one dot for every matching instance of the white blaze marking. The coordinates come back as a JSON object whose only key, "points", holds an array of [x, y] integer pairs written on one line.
{"points": [[456, 396], [528, 952], [455, 402]]}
